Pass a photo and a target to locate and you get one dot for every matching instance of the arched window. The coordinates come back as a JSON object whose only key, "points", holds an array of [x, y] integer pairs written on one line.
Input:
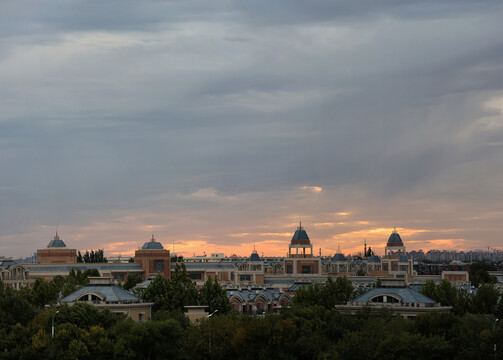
{"points": [[385, 299]]}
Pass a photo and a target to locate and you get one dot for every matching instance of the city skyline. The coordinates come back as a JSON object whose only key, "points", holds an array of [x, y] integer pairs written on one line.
{"points": [[222, 125], [377, 248]]}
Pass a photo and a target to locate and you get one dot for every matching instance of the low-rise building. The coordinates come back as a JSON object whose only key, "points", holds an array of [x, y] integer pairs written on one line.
{"points": [[103, 294], [401, 300]]}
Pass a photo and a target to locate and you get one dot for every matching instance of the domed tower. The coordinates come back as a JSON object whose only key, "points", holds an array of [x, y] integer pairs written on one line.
{"points": [[153, 259], [395, 245], [300, 242], [56, 252], [300, 261]]}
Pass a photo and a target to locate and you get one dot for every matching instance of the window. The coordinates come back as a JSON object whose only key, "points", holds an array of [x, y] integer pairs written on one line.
{"points": [[158, 265], [195, 276], [307, 269], [289, 269], [119, 277], [244, 277]]}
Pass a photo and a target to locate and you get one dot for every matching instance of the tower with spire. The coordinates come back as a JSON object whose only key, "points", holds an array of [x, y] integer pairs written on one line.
{"points": [[56, 252], [394, 246], [153, 259], [301, 260]]}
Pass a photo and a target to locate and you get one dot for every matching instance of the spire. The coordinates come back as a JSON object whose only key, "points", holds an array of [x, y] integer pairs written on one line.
{"points": [[338, 248], [152, 240]]}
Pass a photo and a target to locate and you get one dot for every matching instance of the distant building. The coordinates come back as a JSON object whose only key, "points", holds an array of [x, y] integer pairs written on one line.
{"points": [[255, 300], [300, 259], [56, 252], [103, 294], [397, 298], [153, 259]]}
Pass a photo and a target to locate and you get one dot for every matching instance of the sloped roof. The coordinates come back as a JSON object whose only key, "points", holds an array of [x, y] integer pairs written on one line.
{"points": [[407, 294], [152, 244], [300, 235], [374, 259], [7, 264], [81, 266], [56, 242], [254, 256], [339, 257], [395, 238], [110, 293], [250, 295]]}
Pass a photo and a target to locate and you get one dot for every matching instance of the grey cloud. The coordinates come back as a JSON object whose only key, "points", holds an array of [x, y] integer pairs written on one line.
{"points": [[373, 101]]}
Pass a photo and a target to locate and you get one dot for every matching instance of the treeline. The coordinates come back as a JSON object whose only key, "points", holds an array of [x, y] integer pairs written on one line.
{"points": [[486, 300], [300, 332], [310, 329], [179, 291], [97, 256]]}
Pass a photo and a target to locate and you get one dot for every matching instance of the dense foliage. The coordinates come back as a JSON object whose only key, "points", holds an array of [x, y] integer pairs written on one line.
{"points": [[179, 291], [310, 329], [302, 332], [327, 295], [484, 301]]}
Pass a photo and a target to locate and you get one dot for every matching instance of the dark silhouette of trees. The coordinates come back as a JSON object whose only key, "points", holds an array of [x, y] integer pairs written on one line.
{"points": [[92, 257], [327, 295]]}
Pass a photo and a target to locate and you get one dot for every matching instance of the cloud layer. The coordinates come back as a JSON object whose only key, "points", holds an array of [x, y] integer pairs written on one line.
{"points": [[201, 120]]}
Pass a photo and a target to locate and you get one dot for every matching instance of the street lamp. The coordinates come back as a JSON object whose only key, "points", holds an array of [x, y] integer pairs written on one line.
{"points": [[213, 313], [53, 316], [494, 331], [209, 316]]}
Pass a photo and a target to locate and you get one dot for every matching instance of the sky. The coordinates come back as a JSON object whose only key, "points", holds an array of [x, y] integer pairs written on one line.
{"points": [[219, 125]]}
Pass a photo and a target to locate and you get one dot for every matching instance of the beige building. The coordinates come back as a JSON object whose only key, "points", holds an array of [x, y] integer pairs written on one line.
{"points": [[103, 294]]}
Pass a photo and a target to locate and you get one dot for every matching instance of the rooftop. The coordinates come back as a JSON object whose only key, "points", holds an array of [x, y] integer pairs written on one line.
{"points": [[300, 236], [406, 294], [152, 245], [109, 293], [56, 242]]}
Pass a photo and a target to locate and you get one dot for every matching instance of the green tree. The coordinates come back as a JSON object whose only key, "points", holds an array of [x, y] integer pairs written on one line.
{"points": [[14, 307], [43, 293], [75, 279], [214, 296], [97, 256], [131, 281], [148, 340], [157, 292], [485, 299], [479, 273], [182, 290], [308, 295], [327, 295]]}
